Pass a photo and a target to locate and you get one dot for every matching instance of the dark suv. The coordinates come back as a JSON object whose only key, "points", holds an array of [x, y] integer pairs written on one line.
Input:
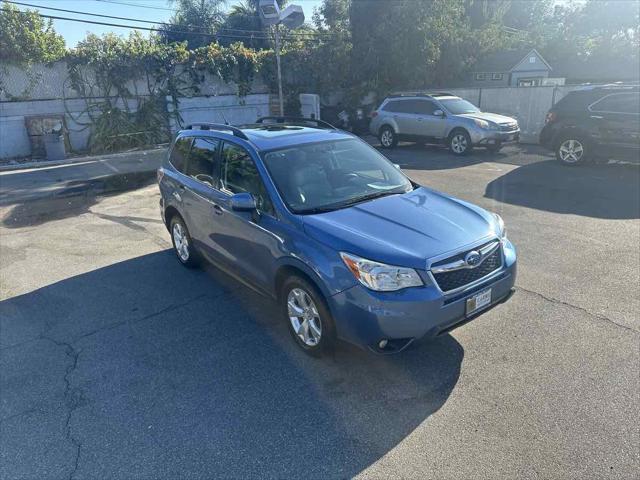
{"points": [[594, 122]]}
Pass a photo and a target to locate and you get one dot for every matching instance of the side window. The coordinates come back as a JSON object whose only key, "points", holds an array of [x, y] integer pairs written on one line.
{"points": [[425, 107], [239, 174], [392, 106], [203, 165], [180, 152], [618, 103]]}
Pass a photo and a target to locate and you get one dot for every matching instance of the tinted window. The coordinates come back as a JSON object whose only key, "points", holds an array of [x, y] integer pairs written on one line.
{"points": [[401, 106], [180, 152], [202, 163], [425, 107], [239, 174], [618, 103]]}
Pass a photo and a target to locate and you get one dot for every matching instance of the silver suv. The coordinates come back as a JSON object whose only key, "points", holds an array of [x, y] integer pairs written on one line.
{"points": [[441, 118]]}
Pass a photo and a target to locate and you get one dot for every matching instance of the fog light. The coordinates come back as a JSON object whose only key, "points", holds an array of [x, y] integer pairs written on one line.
{"points": [[383, 344]]}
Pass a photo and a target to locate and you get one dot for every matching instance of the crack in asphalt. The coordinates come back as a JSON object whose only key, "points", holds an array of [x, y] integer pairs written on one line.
{"points": [[576, 307], [73, 397]]}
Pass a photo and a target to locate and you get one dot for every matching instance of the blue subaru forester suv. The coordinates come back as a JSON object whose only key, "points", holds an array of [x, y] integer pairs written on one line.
{"points": [[319, 220]]}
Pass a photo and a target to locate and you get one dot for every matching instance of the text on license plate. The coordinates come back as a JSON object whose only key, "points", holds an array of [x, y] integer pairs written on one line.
{"points": [[478, 301]]}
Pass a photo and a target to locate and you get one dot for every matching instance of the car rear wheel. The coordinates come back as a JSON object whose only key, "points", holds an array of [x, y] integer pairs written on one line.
{"points": [[182, 244], [460, 143], [388, 137], [572, 151], [307, 315]]}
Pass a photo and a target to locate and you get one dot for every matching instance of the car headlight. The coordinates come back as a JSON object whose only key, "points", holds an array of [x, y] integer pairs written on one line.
{"points": [[484, 124], [379, 276], [502, 230]]}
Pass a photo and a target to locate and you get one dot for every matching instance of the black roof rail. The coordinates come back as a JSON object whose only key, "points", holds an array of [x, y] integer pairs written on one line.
{"points": [[419, 94], [297, 120], [218, 126]]}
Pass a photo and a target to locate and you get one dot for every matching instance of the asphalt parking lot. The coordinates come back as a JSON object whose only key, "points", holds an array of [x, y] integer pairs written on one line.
{"points": [[116, 362]]}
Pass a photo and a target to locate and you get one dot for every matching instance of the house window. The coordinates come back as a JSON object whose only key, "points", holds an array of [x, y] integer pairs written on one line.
{"points": [[497, 76], [480, 77], [532, 59]]}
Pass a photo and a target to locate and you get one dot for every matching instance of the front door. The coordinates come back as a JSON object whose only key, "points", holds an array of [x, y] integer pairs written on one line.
{"points": [[618, 119], [246, 240], [429, 125]]}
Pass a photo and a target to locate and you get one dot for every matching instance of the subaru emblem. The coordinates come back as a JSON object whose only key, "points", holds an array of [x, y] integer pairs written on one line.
{"points": [[472, 258]]}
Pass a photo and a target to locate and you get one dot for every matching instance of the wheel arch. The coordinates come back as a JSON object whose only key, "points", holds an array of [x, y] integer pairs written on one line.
{"points": [[565, 132], [388, 124], [169, 213], [291, 267], [457, 128]]}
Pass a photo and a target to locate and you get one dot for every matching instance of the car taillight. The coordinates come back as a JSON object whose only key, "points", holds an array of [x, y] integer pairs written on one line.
{"points": [[373, 114], [160, 174], [550, 118]]}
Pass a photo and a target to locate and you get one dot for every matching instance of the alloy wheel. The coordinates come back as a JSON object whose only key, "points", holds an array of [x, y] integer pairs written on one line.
{"points": [[181, 241], [571, 151], [386, 138], [304, 317], [459, 143]]}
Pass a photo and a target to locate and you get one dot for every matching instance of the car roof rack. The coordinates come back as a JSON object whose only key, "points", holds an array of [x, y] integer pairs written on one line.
{"points": [[301, 121], [420, 94], [218, 126]]}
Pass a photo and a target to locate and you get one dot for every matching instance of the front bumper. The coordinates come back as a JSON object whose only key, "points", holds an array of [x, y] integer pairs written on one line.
{"points": [[483, 137], [364, 317]]}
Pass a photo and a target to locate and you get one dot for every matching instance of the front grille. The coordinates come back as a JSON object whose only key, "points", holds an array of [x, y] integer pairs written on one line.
{"points": [[508, 127], [459, 278]]}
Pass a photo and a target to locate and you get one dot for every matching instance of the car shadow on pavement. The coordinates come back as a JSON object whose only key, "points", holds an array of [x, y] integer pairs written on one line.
{"points": [[601, 191], [159, 371], [412, 156]]}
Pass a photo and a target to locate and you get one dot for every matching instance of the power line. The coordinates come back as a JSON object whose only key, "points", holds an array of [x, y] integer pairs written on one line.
{"points": [[136, 5], [137, 20], [263, 36]]}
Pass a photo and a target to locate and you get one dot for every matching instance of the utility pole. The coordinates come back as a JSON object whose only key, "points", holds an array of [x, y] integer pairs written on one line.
{"points": [[276, 29]]}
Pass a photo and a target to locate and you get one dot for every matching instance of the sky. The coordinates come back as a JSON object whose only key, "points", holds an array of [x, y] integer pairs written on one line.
{"points": [[148, 10]]}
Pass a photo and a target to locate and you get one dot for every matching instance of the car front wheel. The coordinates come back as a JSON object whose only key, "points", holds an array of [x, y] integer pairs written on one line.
{"points": [[307, 316], [460, 143], [572, 151]]}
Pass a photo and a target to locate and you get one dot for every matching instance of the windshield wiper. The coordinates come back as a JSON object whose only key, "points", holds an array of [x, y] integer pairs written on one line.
{"points": [[351, 202]]}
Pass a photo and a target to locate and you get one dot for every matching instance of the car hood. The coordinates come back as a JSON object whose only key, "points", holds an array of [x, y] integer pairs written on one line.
{"points": [[490, 117], [404, 229]]}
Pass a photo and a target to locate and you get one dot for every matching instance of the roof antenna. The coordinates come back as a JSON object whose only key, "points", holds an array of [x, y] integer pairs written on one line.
{"points": [[226, 122]]}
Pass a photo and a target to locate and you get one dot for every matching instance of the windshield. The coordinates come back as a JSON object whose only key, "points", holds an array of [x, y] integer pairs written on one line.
{"points": [[330, 175], [457, 106]]}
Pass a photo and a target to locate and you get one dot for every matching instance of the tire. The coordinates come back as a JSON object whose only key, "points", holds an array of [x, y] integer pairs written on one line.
{"points": [[388, 137], [460, 143], [299, 296], [495, 148], [182, 243], [572, 150]]}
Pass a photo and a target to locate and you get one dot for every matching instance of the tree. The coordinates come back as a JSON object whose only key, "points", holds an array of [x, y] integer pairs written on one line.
{"points": [[195, 21], [26, 37]]}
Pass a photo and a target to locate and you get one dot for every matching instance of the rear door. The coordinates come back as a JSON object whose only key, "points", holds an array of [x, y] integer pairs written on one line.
{"points": [[201, 196], [403, 113], [617, 116]]}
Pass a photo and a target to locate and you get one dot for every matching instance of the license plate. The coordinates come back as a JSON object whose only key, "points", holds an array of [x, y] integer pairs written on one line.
{"points": [[478, 301]]}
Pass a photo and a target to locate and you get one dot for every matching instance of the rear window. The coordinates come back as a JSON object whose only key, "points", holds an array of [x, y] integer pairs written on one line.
{"points": [[179, 153], [574, 101]]}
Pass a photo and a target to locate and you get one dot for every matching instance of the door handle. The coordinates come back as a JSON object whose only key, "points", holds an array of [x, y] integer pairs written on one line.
{"points": [[217, 209], [597, 117]]}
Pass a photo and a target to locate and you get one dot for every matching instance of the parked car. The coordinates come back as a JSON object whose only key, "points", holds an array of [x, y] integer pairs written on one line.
{"points": [[320, 221], [594, 122], [441, 118]]}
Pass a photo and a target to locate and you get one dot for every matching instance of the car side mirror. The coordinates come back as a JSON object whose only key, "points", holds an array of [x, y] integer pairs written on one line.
{"points": [[243, 202], [438, 113]]}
